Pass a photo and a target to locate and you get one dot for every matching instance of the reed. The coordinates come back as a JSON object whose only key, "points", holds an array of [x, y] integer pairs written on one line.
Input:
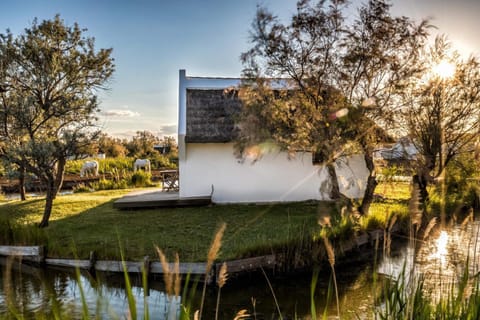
{"points": [[331, 261], [222, 279], [212, 255]]}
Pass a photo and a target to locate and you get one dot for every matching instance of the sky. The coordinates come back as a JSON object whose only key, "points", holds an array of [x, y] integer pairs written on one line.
{"points": [[153, 39]]}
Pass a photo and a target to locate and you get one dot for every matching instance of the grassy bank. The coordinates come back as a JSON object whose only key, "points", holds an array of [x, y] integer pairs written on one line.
{"points": [[87, 222]]}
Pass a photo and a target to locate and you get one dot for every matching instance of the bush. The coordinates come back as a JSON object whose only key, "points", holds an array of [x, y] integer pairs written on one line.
{"points": [[141, 179], [73, 166], [82, 188], [110, 165]]}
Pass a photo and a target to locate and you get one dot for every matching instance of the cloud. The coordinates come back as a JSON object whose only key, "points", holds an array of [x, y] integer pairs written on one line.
{"points": [[168, 130], [120, 113], [123, 134]]}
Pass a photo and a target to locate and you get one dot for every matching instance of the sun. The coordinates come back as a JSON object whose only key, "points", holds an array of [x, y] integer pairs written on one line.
{"points": [[444, 70]]}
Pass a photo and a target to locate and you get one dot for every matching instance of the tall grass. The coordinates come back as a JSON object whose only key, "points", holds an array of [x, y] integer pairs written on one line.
{"points": [[15, 233]]}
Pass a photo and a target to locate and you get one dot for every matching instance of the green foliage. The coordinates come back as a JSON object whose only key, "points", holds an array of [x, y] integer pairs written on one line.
{"points": [[382, 212], [389, 173], [160, 161], [73, 166], [111, 147], [107, 184], [141, 179], [81, 188], [341, 225], [459, 191], [115, 165]]}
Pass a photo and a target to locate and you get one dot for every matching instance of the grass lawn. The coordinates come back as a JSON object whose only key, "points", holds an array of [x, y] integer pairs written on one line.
{"points": [[84, 222]]}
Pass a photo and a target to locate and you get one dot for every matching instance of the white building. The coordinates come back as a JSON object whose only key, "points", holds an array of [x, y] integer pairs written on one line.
{"points": [[403, 149], [208, 165]]}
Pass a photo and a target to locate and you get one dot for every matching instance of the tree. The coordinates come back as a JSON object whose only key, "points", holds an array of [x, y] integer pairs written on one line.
{"points": [[442, 110], [51, 74], [111, 147], [322, 85], [141, 145]]}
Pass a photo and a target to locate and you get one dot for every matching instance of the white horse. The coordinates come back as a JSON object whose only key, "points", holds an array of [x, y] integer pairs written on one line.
{"points": [[89, 167], [142, 164]]}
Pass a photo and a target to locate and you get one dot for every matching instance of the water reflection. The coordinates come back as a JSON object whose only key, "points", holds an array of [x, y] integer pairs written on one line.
{"points": [[441, 261], [30, 290], [439, 251]]}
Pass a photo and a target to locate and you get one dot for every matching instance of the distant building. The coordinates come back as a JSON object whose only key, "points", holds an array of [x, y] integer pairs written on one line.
{"points": [[208, 165], [403, 149], [162, 149]]}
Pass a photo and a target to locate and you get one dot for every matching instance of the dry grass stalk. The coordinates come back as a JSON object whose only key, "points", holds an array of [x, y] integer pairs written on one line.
{"points": [[324, 219], [222, 275], [178, 278], [215, 246], [387, 234], [242, 314], [330, 251], [414, 208], [8, 285], [222, 279], [212, 255], [429, 228], [331, 260], [167, 274], [393, 220], [467, 219], [388, 244]]}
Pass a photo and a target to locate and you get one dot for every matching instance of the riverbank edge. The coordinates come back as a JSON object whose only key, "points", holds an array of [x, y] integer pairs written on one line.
{"points": [[36, 255]]}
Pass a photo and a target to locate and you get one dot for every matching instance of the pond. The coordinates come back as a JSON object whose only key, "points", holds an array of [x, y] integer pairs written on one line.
{"points": [[440, 260]]}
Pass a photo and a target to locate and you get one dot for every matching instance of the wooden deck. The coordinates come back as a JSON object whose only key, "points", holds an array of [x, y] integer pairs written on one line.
{"points": [[158, 199]]}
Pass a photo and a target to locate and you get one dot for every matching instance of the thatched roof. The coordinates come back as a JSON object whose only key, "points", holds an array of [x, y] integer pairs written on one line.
{"points": [[210, 115]]}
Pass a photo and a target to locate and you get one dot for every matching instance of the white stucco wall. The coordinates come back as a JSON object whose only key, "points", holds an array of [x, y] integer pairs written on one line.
{"points": [[272, 178]]}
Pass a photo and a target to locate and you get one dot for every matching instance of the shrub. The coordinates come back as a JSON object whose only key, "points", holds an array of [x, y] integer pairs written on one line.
{"points": [[104, 184], [73, 166], [82, 188], [141, 179], [110, 165]]}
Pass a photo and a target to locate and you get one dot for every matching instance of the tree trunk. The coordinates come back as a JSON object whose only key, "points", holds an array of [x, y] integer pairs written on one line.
{"points": [[60, 174], [335, 188], [371, 184], [21, 183], [421, 180], [51, 194]]}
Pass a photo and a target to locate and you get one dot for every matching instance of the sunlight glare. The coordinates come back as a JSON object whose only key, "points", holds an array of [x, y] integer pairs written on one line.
{"points": [[339, 114], [444, 70], [441, 250]]}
